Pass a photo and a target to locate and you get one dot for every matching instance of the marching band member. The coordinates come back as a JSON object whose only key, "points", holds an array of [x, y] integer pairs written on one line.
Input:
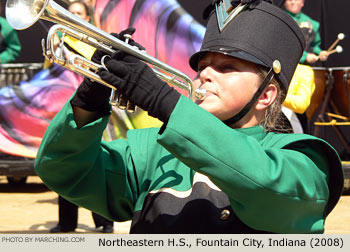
{"points": [[215, 165], [310, 28], [303, 85]]}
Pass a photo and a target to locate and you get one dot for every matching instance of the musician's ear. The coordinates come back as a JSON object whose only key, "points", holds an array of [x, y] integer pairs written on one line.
{"points": [[267, 97]]}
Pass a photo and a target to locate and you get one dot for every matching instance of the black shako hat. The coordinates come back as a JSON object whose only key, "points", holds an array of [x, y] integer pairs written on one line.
{"points": [[260, 34]]}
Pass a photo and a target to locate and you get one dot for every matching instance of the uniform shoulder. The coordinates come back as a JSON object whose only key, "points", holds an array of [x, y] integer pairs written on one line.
{"points": [[281, 140], [314, 22], [321, 152]]}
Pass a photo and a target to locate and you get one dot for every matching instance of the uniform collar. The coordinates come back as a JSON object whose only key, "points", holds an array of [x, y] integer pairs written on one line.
{"points": [[257, 132], [293, 15]]}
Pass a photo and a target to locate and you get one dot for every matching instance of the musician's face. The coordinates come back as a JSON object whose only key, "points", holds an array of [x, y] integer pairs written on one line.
{"points": [[294, 6], [229, 82], [79, 10]]}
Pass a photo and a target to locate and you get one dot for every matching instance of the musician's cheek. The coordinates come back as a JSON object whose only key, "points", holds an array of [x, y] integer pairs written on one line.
{"points": [[196, 82]]}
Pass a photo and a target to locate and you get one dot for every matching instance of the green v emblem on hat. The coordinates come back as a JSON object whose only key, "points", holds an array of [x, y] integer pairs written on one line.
{"points": [[226, 12]]}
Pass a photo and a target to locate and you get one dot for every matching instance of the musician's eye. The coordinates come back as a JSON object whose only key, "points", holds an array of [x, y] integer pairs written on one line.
{"points": [[201, 67], [227, 68]]}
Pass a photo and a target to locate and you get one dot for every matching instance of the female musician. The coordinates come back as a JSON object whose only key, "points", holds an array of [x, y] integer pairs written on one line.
{"points": [[214, 166]]}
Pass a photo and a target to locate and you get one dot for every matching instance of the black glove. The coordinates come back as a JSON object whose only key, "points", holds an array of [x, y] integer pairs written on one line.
{"points": [[93, 96], [140, 84], [98, 54]]}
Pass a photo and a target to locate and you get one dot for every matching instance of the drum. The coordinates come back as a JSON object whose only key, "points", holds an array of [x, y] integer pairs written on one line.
{"points": [[13, 73], [340, 96], [321, 75]]}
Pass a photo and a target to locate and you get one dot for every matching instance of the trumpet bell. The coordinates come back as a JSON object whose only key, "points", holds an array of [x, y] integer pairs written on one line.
{"points": [[21, 14]]}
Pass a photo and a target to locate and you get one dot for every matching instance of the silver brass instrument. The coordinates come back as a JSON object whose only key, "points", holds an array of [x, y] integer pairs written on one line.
{"points": [[22, 14]]}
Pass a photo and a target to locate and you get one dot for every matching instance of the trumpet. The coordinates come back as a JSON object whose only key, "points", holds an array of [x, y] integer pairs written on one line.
{"points": [[21, 14]]}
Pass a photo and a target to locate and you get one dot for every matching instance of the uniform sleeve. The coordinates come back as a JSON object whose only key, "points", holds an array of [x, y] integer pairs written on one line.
{"points": [[303, 57], [13, 45], [272, 189], [316, 43], [75, 164]]}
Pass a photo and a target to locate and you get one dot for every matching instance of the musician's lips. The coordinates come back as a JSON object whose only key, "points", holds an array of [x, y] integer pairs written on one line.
{"points": [[208, 94]]}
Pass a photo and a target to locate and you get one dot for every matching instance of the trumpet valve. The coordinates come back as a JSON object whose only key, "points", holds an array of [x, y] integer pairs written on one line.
{"points": [[114, 98], [131, 107], [119, 100], [127, 38], [123, 102]]}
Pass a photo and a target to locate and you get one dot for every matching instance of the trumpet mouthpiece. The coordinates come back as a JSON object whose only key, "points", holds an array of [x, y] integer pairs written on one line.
{"points": [[200, 93]]}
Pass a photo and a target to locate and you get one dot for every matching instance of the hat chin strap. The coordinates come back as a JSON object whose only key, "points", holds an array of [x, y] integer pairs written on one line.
{"points": [[256, 96]]}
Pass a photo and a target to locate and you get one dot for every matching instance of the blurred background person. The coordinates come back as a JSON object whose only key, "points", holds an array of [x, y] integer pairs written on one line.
{"points": [[91, 4], [10, 46], [310, 28], [302, 85], [72, 45]]}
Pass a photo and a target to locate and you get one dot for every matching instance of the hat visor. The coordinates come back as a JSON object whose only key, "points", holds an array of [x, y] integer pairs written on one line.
{"points": [[195, 58]]}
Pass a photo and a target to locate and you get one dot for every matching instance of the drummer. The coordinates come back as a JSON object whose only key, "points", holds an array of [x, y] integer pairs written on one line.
{"points": [[302, 85], [310, 29]]}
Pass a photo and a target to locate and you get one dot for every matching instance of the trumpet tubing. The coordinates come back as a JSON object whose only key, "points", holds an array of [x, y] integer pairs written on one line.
{"points": [[22, 14]]}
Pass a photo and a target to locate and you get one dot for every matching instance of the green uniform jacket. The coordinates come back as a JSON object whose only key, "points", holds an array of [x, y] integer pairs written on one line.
{"points": [[316, 43], [10, 46], [194, 175]]}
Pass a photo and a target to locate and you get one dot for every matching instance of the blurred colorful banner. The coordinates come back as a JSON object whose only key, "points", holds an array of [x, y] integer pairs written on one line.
{"points": [[163, 27]]}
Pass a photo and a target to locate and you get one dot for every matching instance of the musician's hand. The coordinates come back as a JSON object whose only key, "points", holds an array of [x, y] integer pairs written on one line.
{"points": [[97, 56], [140, 85], [323, 55], [92, 96], [122, 36], [311, 58]]}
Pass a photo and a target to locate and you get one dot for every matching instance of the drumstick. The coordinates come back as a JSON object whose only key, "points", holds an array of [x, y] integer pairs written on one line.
{"points": [[341, 36], [338, 49]]}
